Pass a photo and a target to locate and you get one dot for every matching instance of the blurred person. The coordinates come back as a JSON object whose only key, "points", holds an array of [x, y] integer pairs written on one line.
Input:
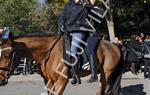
{"points": [[135, 52], [146, 58]]}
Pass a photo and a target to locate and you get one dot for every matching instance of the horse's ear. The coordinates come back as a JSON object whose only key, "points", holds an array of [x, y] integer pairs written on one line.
{"points": [[11, 36]]}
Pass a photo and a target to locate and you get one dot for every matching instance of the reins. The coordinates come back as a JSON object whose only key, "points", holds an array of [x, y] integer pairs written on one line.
{"points": [[55, 42]]}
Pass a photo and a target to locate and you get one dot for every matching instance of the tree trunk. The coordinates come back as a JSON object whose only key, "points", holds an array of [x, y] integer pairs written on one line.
{"points": [[111, 30], [110, 22]]}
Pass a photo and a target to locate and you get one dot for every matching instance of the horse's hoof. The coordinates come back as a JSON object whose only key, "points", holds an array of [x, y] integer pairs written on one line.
{"points": [[3, 82]]}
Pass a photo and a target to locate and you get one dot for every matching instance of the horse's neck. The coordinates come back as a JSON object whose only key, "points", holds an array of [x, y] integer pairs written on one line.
{"points": [[39, 46], [36, 42]]}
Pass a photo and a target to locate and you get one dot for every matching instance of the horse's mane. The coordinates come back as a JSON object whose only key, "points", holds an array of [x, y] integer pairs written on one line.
{"points": [[36, 34]]}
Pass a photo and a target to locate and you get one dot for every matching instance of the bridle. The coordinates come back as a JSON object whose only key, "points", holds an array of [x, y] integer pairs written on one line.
{"points": [[9, 68]]}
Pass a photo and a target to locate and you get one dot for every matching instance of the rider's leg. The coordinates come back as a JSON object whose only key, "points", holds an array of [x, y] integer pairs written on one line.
{"points": [[74, 50], [133, 67], [90, 51], [145, 68], [76, 75]]}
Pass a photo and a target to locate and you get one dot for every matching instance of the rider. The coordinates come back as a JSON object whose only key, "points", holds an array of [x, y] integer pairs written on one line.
{"points": [[5, 35], [92, 43], [136, 51], [146, 58], [70, 21]]}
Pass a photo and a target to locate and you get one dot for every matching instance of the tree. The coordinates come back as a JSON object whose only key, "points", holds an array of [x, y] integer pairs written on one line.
{"points": [[132, 17], [15, 13], [110, 21], [47, 16]]}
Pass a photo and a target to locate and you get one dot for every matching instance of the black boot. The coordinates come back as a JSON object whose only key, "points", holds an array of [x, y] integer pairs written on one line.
{"points": [[93, 64], [76, 80], [76, 73], [70, 72], [76, 77]]}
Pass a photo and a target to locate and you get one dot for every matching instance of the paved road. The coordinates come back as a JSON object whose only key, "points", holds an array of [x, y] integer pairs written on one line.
{"points": [[33, 85]]}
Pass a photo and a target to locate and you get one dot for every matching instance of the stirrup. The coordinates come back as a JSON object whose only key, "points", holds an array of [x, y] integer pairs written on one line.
{"points": [[76, 80]]}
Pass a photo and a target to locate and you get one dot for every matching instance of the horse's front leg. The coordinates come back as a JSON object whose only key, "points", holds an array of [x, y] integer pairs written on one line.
{"points": [[57, 87]]}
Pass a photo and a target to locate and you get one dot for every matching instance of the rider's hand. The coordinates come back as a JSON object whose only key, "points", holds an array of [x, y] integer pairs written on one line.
{"points": [[76, 1], [62, 28]]}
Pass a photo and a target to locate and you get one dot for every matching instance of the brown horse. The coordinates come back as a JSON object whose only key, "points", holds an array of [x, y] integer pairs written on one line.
{"points": [[48, 52]]}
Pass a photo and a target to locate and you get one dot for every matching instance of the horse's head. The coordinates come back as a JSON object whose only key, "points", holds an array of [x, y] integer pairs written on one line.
{"points": [[5, 63]]}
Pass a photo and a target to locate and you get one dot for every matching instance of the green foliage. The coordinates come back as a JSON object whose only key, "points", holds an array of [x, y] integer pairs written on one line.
{"points": [[132, 17], [15, 13], [47, 17], [25, 16]]}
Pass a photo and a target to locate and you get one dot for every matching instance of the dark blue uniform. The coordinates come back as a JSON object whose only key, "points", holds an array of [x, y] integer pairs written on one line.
{"points": [[147, 59], [5, 35], [73, 16], [135, 51]]}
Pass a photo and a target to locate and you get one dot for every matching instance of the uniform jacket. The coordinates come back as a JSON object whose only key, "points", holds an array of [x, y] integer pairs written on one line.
{"points": [[73, 16], [146, 47], [134, 46]]}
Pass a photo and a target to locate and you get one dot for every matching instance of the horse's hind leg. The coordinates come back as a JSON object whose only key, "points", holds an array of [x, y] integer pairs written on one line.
{"points": [[113, 82], [116, 86], [102, 84], [117, 75], [106, 86]]}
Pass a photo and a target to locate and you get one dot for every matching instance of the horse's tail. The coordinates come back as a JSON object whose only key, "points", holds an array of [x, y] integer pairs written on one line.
{"points": [[116, 78]]}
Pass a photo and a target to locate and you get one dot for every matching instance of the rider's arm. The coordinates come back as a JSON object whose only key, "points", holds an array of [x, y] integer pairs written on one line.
{"points": [[62, 18]]}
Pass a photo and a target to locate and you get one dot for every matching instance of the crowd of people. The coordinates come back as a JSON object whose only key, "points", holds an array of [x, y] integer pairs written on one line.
{"points": [[138, 52]]}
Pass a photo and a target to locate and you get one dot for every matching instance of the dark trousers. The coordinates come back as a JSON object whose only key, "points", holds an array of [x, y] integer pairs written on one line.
{"points": [[134, 66], [147, 68], [92, 43]]}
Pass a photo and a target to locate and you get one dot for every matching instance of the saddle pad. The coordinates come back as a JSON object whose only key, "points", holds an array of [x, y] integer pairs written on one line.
{"points": [[67, 46]]}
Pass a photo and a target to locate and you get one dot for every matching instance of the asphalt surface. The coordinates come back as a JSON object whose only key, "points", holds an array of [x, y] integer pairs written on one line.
{"points": [[33, 85]]}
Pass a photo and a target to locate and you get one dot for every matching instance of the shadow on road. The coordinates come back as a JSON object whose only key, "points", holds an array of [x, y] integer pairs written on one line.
{"points": [[133, 90]]}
